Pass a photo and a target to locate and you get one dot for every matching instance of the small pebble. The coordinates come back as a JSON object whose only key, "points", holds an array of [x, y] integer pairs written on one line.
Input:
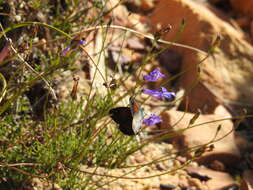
{"points": [[18, 18], [167, 187], [160, 167], [195, 164]]}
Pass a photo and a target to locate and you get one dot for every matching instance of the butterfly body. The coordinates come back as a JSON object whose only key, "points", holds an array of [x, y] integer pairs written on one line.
{"points": [[128, 118]]}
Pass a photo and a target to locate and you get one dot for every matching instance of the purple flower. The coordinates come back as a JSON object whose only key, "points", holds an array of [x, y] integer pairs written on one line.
{"points": [[73, 45], [160, 93], [152, 120], [65, 51], [154, 76], [82, 42]]}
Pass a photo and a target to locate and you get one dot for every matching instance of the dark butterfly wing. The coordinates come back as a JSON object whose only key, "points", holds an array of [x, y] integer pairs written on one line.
{"points": [[126, 128], [123, 116]]}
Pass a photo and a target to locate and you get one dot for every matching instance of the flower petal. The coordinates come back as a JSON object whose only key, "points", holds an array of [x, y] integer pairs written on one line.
{"points": [[82, 42], [73, 45], [152, 120], [65, 51], [153, 76], [160, 93], [156, 93], [168, 95]]}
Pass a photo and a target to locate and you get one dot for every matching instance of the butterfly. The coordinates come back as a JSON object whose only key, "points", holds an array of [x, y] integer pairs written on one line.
{"points": [[128, 118]]}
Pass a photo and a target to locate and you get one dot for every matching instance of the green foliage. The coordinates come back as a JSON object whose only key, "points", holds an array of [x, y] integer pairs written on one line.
{"points": [[60, 139]]}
